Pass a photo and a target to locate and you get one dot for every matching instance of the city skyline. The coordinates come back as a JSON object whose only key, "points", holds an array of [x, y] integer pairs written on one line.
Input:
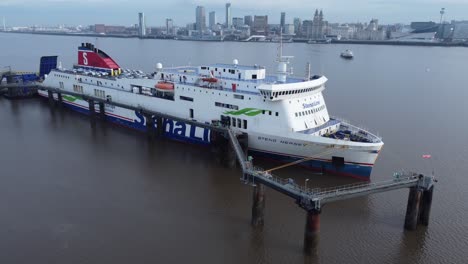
{"points": [[71, 12]]}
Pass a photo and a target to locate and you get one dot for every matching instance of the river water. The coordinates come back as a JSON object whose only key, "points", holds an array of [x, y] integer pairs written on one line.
{"points": [[76, 191]]}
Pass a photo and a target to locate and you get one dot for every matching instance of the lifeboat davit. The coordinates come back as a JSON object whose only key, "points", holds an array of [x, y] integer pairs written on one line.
{"points": [[165, 86], [210, 79]]}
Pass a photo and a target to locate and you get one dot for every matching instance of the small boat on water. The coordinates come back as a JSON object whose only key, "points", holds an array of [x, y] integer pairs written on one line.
{"points": [[347, 54]]}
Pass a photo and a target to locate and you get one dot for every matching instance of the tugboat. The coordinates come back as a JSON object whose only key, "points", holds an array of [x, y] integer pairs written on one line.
{"points": [[347, 54]]}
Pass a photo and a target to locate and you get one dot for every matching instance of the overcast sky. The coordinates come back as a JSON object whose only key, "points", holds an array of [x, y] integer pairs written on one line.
{"points": [[124, 12]]}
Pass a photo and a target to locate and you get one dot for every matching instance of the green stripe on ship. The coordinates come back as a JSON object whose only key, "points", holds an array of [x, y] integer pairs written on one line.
{"points": [[245, 111], [71, 98]]}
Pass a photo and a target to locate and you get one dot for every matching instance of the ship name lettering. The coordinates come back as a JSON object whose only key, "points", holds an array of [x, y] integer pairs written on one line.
{"points": [[267, 139], [310, 105]]}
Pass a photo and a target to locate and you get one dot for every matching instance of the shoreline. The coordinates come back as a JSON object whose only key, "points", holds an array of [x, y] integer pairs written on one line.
{"points": [[357, 42]]}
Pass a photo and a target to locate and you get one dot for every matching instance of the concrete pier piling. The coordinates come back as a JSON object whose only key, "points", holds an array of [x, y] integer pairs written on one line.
{"points": [[258, 205], [425, 207], [412, 209], [312, 230]]}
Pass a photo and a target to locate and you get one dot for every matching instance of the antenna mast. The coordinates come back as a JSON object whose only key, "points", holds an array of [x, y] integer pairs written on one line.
{"points": [[283, 62]]}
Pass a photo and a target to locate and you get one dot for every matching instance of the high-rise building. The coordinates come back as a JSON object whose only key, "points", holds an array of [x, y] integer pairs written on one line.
{"points": [[169, 26], [212, 19], [141, 25], [297, 26], [248, 21], [200, 18], [228, 15], [260, 25], [4, 24], [237, 22], [283, 21]]}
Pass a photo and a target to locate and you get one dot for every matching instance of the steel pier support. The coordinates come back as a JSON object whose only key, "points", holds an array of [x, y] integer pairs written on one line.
{"points": [[149, 125], [258, 205], [102, 110], [412, 209], [159, 126], [51, 97], [312, 230], [60, 99], [425, 206], [92, 110]]}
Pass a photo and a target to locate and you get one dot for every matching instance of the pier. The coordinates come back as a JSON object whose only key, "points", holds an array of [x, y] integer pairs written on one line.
{"points": [[232, 147]]}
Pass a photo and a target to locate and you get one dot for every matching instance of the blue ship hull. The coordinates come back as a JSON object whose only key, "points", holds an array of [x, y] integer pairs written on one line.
{"points": [[358, 171]]}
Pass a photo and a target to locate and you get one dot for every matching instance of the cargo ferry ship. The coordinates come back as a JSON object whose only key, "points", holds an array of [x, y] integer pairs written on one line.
{"points": [[285, 117]]}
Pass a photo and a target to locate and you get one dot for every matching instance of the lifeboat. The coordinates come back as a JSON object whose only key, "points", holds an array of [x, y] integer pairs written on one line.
{"points": [[165, 86], [210, 79]]}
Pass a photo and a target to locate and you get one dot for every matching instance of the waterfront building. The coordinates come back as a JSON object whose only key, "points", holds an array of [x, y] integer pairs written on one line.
{"points": [[318, 29], [460, 32], [283, 21], [237, 22], [297, 26], [141, 25], [212, 18], [228, 15], [372, 32], [200, 19], [260, 25], [307, 28], [423, 25], [288, 29], [248, 21], [100, 28], [170, 27], [115, 29], [343, 31]]}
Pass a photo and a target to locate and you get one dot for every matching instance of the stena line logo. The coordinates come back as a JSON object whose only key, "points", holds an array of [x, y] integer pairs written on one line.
{"points": [[85, 58]]}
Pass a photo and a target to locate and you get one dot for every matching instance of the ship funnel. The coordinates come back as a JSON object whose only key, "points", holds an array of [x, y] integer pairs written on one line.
{"points": [[159, 66], [235, 62]]}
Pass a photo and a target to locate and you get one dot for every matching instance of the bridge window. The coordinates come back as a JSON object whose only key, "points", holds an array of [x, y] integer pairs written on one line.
{"points": [[245, 124], [233, 123], [238, 96], [254, 76], [239, 123]]}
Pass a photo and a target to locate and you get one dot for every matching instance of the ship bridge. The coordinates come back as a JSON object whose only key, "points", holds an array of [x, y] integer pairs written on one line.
{"points": [[292, 88]]}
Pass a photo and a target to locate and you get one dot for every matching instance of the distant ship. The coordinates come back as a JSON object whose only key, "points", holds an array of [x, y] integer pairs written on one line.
{"points": [[347, 54], [285, 117]]}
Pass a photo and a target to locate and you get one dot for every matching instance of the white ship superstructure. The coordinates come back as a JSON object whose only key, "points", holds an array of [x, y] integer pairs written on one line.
{"points": [[285, 117]]}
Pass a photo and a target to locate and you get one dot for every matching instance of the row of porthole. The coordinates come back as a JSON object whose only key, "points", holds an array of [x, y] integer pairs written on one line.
{"points": [[188, 89], [61, 76]]}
